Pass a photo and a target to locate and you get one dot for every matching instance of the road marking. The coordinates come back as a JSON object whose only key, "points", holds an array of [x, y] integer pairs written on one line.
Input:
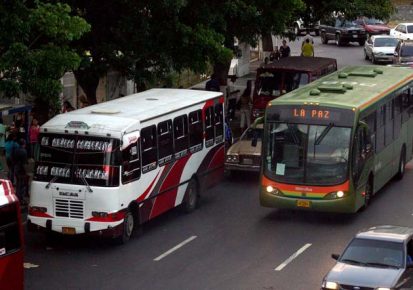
{"points": [[292, 257], [175, 248], [30, 265]]}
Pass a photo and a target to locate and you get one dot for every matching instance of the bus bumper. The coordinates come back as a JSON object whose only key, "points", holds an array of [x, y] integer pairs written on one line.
{"points": [[106, 229], [341, 205]]}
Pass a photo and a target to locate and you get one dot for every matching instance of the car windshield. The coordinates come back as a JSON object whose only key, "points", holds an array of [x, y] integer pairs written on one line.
{"points": [[409, 28], [374, 253], [406, 51], [251, 133], [373, 21], [270, 83], [307, 154], [346, 23], [385, 42]]}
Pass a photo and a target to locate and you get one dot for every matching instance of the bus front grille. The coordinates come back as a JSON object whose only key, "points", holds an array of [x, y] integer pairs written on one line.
{"points": [[69, 208]]}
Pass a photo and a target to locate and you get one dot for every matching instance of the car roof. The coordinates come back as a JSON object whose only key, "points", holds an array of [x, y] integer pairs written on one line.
{"points": [[405, 23], [387, 233]]}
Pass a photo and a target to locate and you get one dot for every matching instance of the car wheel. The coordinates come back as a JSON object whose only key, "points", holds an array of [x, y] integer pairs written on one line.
{"points": [[402, 165], [128, 227], [192, 197], [338, 40], [324, 39]]}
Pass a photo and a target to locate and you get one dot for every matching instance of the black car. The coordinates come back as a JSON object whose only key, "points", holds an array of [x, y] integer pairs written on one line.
{"points": [[342, 31]]}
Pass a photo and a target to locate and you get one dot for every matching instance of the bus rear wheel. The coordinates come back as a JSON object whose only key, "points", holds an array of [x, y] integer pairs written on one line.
{"points": [[128, 227], [368, 193], [402, 166], [192, 197]]}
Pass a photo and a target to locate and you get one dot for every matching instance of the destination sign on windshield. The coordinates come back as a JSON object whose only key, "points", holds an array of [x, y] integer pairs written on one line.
{"points": [[311, 114]]}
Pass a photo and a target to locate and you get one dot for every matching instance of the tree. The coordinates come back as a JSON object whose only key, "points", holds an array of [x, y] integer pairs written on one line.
{"points": [[34, 48]]}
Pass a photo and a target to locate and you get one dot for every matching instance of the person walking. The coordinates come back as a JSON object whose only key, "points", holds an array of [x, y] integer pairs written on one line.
{"points": [[213, 84], [285, 50], [232, 97], [20, 161], [10, 147], [307, 49], [244, 107], [34, 131]]}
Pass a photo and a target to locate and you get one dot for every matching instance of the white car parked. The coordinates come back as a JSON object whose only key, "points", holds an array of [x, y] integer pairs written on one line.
{"points": [[403, 31], [380, 48]]}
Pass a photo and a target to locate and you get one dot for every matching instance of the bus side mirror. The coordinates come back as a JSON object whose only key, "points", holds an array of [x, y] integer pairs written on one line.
{"points": [[335, 256]]}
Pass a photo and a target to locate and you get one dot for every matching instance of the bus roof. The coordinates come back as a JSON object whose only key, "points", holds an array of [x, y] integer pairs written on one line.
{"points": [[126, 113], [299, 63], [354, 87]]}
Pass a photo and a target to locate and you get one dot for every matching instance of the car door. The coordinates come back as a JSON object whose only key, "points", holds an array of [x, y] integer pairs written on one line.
{"points": [[369, 47]]}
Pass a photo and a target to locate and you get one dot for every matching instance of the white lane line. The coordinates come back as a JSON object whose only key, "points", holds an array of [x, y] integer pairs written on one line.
{"points": [[292, 257], [180, 245]]}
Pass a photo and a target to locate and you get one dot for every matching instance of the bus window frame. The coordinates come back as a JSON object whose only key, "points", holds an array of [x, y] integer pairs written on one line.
{"points": [[152, 165]]}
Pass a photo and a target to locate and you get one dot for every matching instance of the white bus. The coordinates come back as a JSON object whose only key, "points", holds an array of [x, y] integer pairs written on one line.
{"points": [[110, 167]]}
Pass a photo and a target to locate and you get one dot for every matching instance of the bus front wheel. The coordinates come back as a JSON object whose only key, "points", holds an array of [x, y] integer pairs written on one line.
{"points": [[128, 226], [402, 165]]}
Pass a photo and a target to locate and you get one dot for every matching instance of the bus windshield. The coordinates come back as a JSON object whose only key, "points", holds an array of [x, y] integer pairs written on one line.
{"points": [[78, 160], [307, 154]]}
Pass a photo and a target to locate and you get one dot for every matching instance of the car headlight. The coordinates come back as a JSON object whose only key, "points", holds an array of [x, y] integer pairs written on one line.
{"points": [[330, 285], [232, 158], [335, 195]]}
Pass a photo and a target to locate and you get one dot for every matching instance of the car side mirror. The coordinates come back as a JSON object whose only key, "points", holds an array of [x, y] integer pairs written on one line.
{"points": [[335, 256]]}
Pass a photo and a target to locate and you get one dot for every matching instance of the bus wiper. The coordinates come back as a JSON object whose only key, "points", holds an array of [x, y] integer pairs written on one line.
{"points": [[294, 134], [323, 134], [86, 183], [51, 181]]}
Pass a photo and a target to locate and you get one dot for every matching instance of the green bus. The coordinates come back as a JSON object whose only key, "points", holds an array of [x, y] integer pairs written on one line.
{"points": [[331, 145]]}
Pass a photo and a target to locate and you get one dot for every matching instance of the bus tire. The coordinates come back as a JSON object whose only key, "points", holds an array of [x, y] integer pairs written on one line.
{"points": [[402, 165], [128, 227], [368, 193], [191, 197]]}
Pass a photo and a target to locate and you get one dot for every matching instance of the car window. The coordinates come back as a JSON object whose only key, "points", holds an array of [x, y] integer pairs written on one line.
{"points": [[373, 21], [402, 29], [406, 51], [385, 42], [410, 29]]}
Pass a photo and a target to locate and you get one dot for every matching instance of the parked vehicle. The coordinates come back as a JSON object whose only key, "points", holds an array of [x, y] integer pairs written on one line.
{"points": [[342, 31], [403, 31], [242, 155], [11, 239], [285, 75], [373, 26], [403, 52], [378, 258], [107, 168], [300, 27], [380, 48]]}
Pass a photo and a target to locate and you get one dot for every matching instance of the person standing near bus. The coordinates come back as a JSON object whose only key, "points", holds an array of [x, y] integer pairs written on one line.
{"points": [[244, 107], [34, 131], [307, 49], [285, 50], [10, 146], [20, 161]]}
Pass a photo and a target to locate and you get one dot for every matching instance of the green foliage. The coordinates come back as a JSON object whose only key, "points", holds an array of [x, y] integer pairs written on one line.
{"points": [[34, 47]]}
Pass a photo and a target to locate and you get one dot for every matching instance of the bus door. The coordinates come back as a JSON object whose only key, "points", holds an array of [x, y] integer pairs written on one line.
{"points": [[11, 247], [362, 159]]}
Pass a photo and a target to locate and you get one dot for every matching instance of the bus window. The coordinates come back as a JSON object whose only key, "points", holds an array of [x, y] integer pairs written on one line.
{"points": [[149, 148], [370, 120], [389, 123], [359, 152], [9, 230], [165, 142], [381, 117], [397, 117], [181, 136], [219, 124], [209, 127], [195, 131], [131, 163], [405, 103]]}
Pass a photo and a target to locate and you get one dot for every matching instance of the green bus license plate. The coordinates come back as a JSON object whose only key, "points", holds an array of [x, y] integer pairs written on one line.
{"points": [[303, 203], [68, 231]]}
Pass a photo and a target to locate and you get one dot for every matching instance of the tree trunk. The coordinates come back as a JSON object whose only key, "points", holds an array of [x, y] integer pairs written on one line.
{"points": [[267, 44], [89, 82]]}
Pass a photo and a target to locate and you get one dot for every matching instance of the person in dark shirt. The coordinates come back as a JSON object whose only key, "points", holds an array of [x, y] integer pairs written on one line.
{"points": [[213, 84], [20, 160], [285, 50]]}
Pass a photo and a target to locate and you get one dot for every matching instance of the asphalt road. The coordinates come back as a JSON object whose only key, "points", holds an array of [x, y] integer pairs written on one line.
{"points": [[230, 242]]}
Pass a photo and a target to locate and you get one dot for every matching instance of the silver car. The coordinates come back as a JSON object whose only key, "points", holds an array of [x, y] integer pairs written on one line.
{"points": [[379, 258], [380, 48]]}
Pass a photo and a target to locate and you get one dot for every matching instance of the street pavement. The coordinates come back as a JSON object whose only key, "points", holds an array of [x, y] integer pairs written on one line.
{"points": [[230, 242]]}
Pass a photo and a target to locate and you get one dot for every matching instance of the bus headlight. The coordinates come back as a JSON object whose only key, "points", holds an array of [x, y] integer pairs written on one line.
{"points": [[232, 158], [335, 195], [329, 285], [273, 190]]}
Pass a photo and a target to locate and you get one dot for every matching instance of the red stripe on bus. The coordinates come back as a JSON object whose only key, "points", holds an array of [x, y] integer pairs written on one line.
{"points": [[148, 190]]}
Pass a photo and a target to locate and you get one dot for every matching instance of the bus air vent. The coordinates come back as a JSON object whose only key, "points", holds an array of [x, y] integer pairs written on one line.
{"points": [[340, 89], [369, 74], [105, 111]]}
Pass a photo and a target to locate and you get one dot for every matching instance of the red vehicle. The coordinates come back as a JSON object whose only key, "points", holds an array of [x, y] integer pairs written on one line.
{"points": [[285, 75], [373, 26], [11, 239]]}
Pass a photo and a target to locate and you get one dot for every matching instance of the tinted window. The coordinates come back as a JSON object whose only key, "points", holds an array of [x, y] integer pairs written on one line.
{"points": [[405, 103], [196, 131], [370, 120], [389, 123], [385, 42], [406, 50], [131, 163], [209, 126], [9, 229], [410, 29], [219, 123], [165, 142], [149, 148], [181, 139], [381, 115]]}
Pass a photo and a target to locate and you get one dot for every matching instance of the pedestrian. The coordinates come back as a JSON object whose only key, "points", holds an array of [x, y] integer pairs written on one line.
{"points": [[308, 36], [2, 141], [213, 84], [20, 161], [34, 131], [232, 97], [67, 107], [245, 110], [285, 50], [228, 134], [307, 49], [275, 54], [10, 146], [19, 123]]}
